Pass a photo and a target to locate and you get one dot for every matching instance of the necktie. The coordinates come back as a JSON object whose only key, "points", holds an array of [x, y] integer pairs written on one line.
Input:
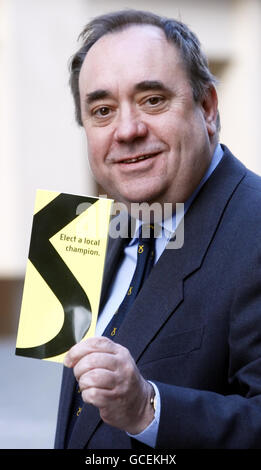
{"points": [[145, 261]]}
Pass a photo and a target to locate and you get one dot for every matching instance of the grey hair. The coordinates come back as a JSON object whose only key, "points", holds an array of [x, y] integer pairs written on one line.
{"points": [[175, 31]]}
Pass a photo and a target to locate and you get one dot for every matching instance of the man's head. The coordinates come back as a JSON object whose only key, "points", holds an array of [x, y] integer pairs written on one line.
{"points": [[176, 32], [142, 89]]}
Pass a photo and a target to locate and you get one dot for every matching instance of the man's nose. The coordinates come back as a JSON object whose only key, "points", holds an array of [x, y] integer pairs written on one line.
{"points": [[129, 127]]}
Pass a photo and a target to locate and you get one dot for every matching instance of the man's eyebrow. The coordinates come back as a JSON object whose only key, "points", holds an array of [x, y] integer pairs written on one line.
{"points": [[152, 85], [141, 86], [97, 95]]}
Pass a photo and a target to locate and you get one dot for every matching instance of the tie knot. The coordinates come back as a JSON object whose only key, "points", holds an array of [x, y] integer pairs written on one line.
{"points": [[146, 233]]}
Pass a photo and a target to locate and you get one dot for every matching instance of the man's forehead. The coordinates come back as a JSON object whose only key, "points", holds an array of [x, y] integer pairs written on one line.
{"points": [[131, 32], [137, 46]]}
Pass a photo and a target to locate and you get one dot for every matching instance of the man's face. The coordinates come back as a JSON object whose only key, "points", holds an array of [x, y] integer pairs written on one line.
{"points": [[147, 139]]}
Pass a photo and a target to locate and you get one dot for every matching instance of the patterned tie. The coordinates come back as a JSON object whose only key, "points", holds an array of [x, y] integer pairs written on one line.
{"points": [[145, 261]]}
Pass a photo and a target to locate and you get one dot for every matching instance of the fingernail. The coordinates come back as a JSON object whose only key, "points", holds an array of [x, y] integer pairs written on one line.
{"points": [[67, 362]]}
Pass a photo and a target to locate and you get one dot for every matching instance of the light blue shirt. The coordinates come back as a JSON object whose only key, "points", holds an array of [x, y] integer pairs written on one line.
{"points": [[123, 278]]}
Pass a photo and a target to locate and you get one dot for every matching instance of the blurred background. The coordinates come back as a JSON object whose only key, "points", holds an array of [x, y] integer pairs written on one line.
{"points": [[42, 147]]}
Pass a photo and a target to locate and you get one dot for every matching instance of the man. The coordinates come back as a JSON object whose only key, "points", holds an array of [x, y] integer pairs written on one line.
{"points": [[192, 337]]}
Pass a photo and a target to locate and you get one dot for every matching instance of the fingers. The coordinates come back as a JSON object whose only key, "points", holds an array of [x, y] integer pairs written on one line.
{"points": [[85, 348], [93, 361], [97, 397], [97, 363], [97, 379], [109, 379]]}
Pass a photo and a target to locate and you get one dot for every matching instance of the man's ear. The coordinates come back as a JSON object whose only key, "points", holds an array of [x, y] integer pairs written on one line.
{"points": [[210, 109]]}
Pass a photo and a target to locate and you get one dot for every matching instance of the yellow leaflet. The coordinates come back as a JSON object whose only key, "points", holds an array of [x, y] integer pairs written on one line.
{"points": [[41, 313], [82, 246], [62, 291], [43, 198]]}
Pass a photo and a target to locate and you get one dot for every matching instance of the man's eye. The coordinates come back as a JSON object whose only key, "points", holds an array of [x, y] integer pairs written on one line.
{"points": [[155, 100], [153, 104], [102, 112]]}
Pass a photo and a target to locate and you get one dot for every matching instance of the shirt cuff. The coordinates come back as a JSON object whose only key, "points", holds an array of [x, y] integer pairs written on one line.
{"points": [[149, 435]]}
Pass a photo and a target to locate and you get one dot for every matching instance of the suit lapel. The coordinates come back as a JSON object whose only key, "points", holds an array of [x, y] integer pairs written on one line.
{"points": [[167, 276]]}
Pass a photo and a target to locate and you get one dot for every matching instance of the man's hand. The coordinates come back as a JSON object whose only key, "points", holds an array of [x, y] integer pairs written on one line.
{"points": [[109, 379]]}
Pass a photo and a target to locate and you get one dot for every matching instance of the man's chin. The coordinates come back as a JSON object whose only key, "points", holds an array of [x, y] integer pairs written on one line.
{"points": [[138, 198]]}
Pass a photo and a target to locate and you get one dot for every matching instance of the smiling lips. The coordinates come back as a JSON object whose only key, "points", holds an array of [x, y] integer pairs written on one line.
{"points": [[137, 159]]}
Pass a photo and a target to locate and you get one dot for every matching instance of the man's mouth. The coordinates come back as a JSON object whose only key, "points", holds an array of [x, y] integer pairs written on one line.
{"points": [[137, 159]]}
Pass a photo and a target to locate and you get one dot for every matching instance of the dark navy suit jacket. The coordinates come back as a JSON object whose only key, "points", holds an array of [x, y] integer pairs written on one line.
{"points": [[195, 328]]}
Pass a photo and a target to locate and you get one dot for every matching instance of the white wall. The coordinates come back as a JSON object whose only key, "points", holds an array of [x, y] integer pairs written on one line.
{"points": [[240, 91], [203, 16], [41, 146]]}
